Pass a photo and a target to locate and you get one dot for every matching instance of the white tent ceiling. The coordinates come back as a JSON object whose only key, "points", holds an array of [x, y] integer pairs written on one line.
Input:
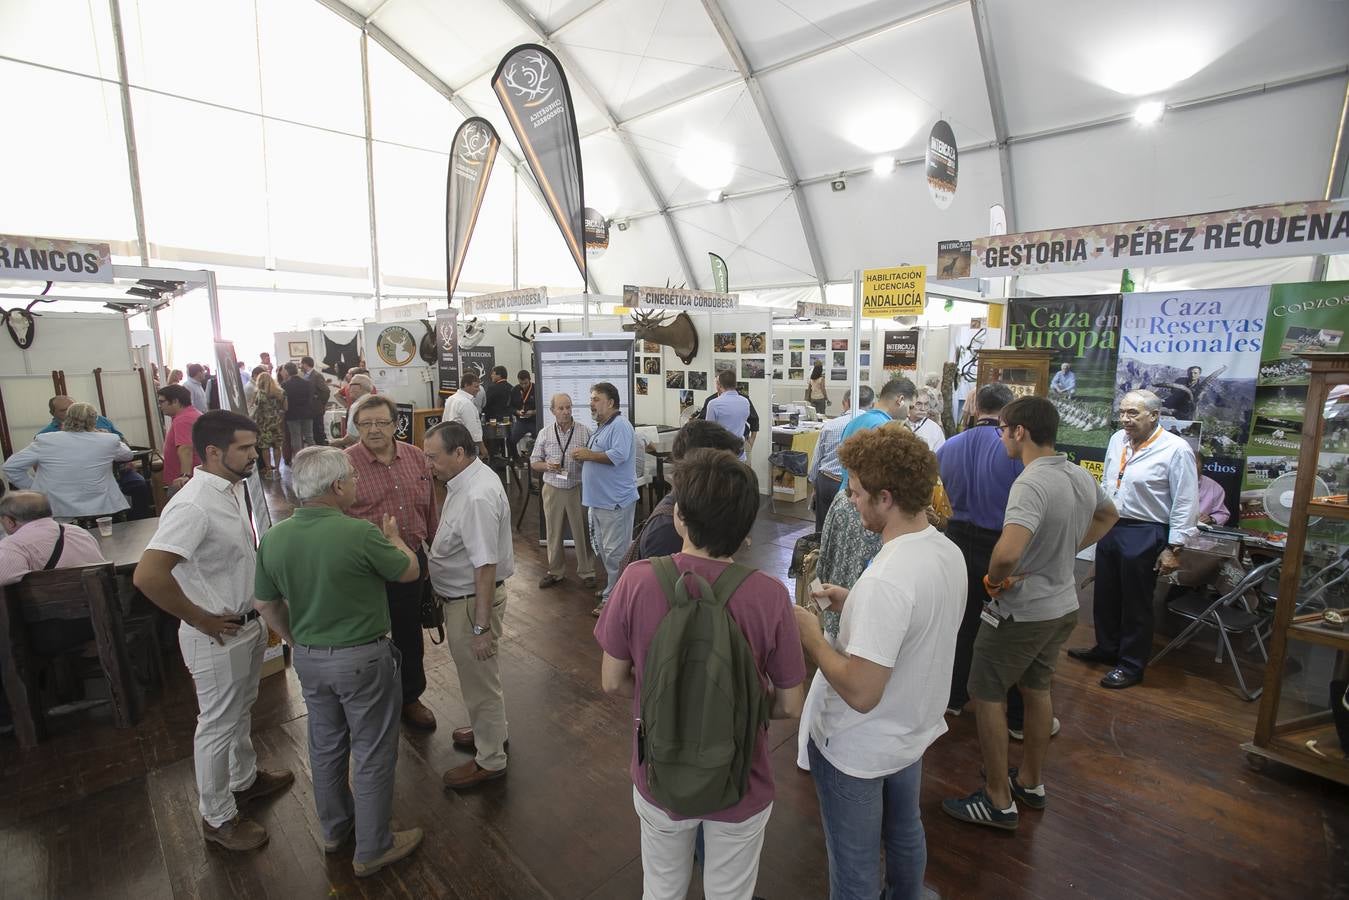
{"points": [[248, 116]]}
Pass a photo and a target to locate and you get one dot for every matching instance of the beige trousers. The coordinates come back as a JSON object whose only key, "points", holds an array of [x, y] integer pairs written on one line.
{"points": [[557, 503], [480, 680]]}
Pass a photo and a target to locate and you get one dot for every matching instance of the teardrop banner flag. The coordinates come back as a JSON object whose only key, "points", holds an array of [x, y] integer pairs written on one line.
{"points": [[472, 153], [721, 276], [533, 91], [943, 163]]}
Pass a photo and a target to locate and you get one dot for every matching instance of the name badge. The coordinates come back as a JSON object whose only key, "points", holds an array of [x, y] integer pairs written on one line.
{"points": [[561, 476], [989, 616]]}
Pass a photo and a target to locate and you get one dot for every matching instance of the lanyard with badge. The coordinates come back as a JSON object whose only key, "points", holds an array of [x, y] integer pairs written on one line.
{"points": [[1126, 457], [562, 475]]}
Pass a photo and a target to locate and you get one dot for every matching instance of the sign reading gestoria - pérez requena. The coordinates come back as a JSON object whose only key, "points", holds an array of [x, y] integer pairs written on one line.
{"points": [[1288, 229], [680, 298], [897, 291], [49, 259], [506, 301]]}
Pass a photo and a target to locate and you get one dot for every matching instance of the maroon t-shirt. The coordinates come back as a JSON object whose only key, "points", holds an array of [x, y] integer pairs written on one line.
{"points": [[762, 609]]}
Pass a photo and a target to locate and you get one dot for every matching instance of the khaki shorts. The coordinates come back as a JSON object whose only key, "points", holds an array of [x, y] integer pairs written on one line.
{"points": [[1020, 653]]}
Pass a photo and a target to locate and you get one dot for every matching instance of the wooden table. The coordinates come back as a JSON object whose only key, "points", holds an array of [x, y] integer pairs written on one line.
{"points": [[124, 547]]}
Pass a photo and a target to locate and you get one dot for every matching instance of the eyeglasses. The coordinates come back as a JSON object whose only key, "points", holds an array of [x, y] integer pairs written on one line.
{"points": [[1002, 427], [374, 423]]}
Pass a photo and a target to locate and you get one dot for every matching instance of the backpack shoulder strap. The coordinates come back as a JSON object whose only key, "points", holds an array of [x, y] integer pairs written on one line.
{"points": [[729, 581], [667, 575]]}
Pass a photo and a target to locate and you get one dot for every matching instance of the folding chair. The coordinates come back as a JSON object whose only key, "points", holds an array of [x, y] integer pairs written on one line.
{"points": [[1228, 615]]}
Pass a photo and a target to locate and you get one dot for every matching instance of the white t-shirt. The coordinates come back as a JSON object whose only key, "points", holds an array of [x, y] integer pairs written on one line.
{"points": [[930, 431], [902, 613], [460, 407]]}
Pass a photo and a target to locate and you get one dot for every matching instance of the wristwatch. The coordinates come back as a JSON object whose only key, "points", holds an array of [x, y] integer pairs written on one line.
{"points": [[481, 629]]}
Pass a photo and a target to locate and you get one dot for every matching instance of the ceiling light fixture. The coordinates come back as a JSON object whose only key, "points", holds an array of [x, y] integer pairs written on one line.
{"points": [[1149, 112], [716, 196], [839, 184], [883, 166]]}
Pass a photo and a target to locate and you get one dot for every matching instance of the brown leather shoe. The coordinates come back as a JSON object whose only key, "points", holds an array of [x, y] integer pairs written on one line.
{"points": [[463, 738], [264, 785], [417, 715], [236, 834], [404, 842], [549, 580], [469, 775]]}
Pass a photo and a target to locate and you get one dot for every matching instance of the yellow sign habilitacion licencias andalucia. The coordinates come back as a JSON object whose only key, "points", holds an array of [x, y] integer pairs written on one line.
{"points": [[899, 291]]}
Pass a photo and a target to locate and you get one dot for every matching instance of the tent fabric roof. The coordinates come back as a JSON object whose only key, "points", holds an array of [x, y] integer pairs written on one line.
{"points": [[249, 121]]}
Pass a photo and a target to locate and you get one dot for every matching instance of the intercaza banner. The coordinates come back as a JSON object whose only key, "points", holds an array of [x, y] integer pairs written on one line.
{"points": [[472, 153], [1083, 334], [1300, 318], [447, 351], [1199, 352], [901, 350], [533, 91], [1289, 229]]}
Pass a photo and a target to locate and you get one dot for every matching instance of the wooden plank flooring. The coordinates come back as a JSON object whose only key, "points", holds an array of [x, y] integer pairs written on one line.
{"points": [[1149, 794]]}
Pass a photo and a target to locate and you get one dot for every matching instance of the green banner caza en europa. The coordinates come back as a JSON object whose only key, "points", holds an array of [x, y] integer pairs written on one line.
{"points": [[1083, 334], [1301, 318], [1199, 352]]}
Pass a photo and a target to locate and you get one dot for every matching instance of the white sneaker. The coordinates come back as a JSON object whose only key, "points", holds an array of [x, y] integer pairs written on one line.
{"points": [[1018, 735]]}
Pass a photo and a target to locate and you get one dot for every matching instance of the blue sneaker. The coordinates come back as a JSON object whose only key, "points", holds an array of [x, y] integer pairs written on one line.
{"points": [[1034, 797], [977, 809]]}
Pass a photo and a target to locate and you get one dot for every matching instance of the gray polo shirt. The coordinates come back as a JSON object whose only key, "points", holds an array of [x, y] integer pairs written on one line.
{"points": [[1055, 500]]}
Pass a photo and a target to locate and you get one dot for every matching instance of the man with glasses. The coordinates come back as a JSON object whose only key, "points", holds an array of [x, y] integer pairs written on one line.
{"points": [[180, 458], [1151, 476], [394, 479]]}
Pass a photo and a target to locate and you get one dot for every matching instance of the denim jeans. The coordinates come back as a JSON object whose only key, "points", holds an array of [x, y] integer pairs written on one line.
{"points": [[860, 814], [611, 530]]}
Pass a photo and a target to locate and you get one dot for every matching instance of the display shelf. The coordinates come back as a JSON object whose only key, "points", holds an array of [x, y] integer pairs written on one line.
{"points": [[1290, 749], [1328, 510], [1314, 633]]}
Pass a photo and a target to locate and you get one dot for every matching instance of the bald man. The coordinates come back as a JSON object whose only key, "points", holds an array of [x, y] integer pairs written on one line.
{"points": [[58, 405], [552, 456]]}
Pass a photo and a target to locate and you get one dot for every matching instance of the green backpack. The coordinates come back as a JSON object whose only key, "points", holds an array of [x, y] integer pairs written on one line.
{"points": [[703, 703]]}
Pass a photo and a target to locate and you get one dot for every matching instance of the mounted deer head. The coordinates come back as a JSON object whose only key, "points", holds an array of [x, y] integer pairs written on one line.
{"points": [[678, 333], [472, 333]]}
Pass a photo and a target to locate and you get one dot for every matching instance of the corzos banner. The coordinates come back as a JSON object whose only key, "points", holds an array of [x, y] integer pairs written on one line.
{"points": [[447, 351], [679, 298], [47, 259], [534, 93], [506, 301], [1290, 229], [472, 153], [1199, 352], [1083, 333], [1300, 318]]}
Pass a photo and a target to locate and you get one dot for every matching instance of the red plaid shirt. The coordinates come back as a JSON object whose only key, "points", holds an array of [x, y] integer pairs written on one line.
{"points": [[402, 490]]}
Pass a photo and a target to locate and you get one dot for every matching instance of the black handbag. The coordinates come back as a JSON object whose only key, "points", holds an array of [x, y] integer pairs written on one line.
{"points": [[433, 612]]}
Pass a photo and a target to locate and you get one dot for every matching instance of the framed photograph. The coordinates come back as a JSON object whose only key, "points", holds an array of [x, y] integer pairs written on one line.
{"points": [[819, 344], [864, 375], [723, 365], [796, 374], [838, 374], [796, 358], [839, 344], [642, 389], [697, 381], [751, 368], [753, 341], [840, 358], [777, 374], [866, 345], [796, 343], [723, 342], [650, 347], [674, 379], [864, 359], [685, 400], [777, 359], [777, 343], [297, 349], [817, 359], [742, 387], [651, 365]]}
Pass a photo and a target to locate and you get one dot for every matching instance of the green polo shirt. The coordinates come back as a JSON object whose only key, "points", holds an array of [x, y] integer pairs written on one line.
{"points": [[331, 569]]}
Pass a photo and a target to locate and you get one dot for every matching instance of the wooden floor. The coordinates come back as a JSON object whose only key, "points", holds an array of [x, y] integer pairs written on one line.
{"points": [[1149, 794]]}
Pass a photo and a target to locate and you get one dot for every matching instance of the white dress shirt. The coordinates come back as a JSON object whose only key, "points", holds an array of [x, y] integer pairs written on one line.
{"points": [[930, 432], [74, 470], [474, 531], [207, 524], [1160, 482], [460, 407]]}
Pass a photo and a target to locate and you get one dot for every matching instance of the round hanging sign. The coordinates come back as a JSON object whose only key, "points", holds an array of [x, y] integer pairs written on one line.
{"points": [[942, 164], [396, 345]]}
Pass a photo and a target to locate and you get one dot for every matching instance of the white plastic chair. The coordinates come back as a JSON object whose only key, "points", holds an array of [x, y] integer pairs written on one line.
{"points": [[643, 436]]}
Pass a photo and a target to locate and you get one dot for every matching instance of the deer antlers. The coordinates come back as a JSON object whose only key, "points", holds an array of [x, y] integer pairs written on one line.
{"points": [[526, 334]]}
